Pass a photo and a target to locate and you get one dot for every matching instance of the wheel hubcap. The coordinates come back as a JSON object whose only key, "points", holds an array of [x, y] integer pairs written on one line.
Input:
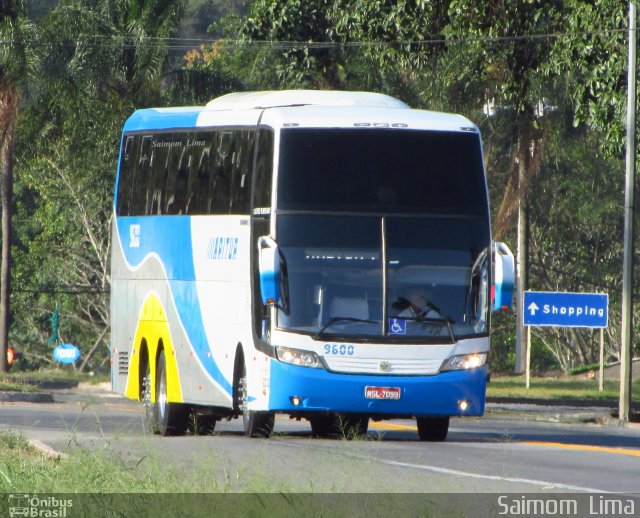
{"points": [[162, 396]]}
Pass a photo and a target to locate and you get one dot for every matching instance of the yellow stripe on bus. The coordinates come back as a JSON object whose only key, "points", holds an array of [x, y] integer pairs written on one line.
{"points": [[153, 328]]}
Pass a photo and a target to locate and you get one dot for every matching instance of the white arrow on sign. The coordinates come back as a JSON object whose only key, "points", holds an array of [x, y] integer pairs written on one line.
{"points": [[533, 307]]}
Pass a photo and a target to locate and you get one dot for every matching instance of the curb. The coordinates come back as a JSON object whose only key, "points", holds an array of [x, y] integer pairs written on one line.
{"points": [[26, 397], [47, 450], [563, 402]]}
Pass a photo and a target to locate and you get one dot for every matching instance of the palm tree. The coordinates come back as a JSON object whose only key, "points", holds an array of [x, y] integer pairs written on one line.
{"points": [[15, 60], [141, 32]]}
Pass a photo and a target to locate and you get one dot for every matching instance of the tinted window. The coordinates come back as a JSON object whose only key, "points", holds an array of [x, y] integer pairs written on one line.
{"points": [[264, 171], [334, 275], [203, 172], [242, 163], [381, 170]]}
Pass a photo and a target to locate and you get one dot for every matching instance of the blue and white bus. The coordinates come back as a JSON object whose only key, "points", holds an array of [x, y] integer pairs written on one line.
{"points": [[325, 255]]}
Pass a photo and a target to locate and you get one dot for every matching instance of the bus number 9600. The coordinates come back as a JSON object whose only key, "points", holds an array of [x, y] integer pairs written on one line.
{"points": [[338, 349]]}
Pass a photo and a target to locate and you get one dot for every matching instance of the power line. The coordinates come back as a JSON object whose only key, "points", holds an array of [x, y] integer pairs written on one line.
{"points": [[67, 290], [110, 42]]}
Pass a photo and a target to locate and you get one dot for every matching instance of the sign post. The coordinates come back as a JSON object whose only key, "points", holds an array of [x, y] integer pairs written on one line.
{"points": [[601, 367], [561, 309]]}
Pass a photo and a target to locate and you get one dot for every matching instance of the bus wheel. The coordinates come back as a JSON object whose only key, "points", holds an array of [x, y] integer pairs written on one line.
{"points": [[339, 426], [256, 424], [150, 419], [171, 418], [433, 429]]}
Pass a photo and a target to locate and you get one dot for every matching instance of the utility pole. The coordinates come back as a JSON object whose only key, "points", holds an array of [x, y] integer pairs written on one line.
{"points": [[627, 267], [522, 334]]}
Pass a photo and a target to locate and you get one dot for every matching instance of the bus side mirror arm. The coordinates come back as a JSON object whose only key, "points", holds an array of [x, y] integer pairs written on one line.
{"points": [[269, 267], [503, 277]]}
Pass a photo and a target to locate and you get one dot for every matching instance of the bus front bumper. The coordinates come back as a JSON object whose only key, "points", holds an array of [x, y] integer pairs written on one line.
{"points": [[301, 389]]}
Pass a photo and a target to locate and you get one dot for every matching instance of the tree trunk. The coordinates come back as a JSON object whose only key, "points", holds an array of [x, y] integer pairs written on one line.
{"points": [[93, 349], [8, 112], [522, 344]]}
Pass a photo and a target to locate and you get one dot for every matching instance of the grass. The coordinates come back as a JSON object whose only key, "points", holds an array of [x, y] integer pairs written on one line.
{"points": [[25, 469], [10, 385], [33, 381], [98, 482], [556, 388]]}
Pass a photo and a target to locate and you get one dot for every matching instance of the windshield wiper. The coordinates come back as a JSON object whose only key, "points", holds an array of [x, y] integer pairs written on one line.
{"points": [[333, 320], [434, 320]]}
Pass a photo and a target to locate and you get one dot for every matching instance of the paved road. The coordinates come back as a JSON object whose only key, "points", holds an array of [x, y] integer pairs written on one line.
{"points": [[501, 452]]}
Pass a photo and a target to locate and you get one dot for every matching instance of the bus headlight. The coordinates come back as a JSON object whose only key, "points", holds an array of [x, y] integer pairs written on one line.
{"points": [[464, 362], [298, 357]]}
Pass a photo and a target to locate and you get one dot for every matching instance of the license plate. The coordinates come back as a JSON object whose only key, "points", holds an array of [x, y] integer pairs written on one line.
{"points": [[382, 392]]}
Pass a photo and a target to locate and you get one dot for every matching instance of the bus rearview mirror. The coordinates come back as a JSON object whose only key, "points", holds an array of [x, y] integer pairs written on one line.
{"points": [[269, 266], [503, 277]]}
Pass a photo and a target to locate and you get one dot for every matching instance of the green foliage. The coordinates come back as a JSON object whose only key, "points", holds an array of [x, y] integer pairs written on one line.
{"points": [[502, 50], [554, 388], [102, 59], [207, 74], [98, 60], [298, 21], [502, 357], [597, 57]]}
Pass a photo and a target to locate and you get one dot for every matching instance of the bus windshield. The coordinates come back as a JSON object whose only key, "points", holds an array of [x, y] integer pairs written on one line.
{"points": [[381, 170], [436, 276], [384, 233]]}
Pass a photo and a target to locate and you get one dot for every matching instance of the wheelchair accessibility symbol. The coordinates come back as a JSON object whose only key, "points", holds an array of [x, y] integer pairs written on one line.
{"points": [[397, 326]]}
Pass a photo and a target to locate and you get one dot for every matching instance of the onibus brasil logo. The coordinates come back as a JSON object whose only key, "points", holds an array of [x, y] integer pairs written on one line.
{"points": [[34, 506]]}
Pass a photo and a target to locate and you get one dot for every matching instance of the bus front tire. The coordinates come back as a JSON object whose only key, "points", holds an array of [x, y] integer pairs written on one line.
{"points": [[433, 429], [258, 424], [170, 418]]}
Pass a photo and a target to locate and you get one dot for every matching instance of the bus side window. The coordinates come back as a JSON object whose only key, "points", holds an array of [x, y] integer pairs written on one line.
{"points": [[170, 173], [263, 171], [139, 182], [202, 171], [241, 173], [181, 197], [126, 176], [221, 173], [151, 183], [190, 170]]}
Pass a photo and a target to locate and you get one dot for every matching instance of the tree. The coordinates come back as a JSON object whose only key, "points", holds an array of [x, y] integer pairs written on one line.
{"points": [[15, 57], [103, 59], [120, 47], [302, 59], [356, 44], [596, 54], [503, 54], [575, 234]]}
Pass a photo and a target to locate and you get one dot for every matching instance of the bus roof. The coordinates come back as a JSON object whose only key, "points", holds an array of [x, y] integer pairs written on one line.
{"points": [[163, 118], [359, 117], [281, 98], [299, 108]]}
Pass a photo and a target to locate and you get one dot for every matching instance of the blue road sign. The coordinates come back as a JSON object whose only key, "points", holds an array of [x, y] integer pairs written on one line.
{"points": [[548, 308], [66, 353]]}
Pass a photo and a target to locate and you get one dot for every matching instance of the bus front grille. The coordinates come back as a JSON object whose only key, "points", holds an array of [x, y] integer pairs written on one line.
{"points": [[398, 367]]}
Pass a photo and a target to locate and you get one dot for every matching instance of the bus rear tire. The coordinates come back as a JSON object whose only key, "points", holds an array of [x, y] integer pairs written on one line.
{"points": [[150, 420], [171, 418], [433, 429], [255, 423]]}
